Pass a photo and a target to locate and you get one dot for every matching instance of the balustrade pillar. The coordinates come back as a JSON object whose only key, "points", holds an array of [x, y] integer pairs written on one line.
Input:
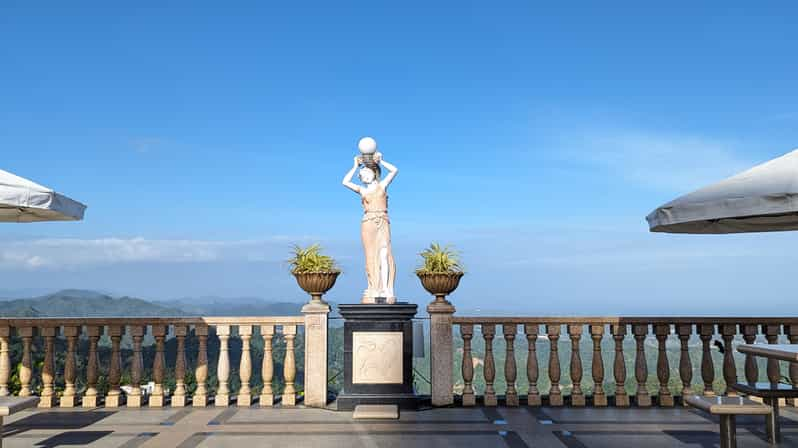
{"points": [[316, 316], [555, 394], [136, 367], [245, 366], [662, 331], [599, 396], [25, 369], [489, 371], [705, 332], [157, 396], [289, 366], [267, 367], [467, 332], [619, 366], [441, 351], [749, 332], [641, 368], [200, 398], [727, 332], [223, 367], [792, 333], [772, 335], [68, 398], [90, 395], [114, 397], [179, 397], [685, 364], [577, 396], [511, 395], [47, 399], [533, 395], [5, 360]]}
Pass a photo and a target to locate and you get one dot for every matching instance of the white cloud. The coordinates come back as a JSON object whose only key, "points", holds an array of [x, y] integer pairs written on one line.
{"points": [[665, 161], [70, 253]]}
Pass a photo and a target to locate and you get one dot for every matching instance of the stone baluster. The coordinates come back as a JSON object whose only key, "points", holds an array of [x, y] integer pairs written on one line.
{"points": [[245, 366], [5, 360], [200, 398], [685, 364], [577, 396], [511, 395], [179, 397], [267, 368], [158, 364], [662, 331], [467, 332], [792, 333], [705, 332], [114, 397], [533, 395], [727, 332], [749, 332], [90, 395], [136, 367], [619, 366], [489, 371], [68, 398], [772, 335], [47, 399], [599, 396], [289, 366], [555, 394], [641, 368], [223, 367], [25, 370]]}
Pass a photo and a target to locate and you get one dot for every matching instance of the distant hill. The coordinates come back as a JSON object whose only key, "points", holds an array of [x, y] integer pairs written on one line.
{"points": [[83, 303], [236, 306]]}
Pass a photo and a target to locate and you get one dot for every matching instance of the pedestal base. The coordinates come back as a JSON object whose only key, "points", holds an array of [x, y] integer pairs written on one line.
{"points": [[378, 355]]}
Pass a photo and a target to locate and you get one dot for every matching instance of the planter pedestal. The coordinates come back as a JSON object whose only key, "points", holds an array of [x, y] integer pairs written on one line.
{"points": [[378, 355]]}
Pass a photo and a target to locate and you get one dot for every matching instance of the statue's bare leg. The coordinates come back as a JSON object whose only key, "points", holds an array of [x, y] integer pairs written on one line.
{"points": [[384, 272]]}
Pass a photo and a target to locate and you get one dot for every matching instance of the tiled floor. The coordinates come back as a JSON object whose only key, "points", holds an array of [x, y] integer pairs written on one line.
{"points": [[456, 427]]}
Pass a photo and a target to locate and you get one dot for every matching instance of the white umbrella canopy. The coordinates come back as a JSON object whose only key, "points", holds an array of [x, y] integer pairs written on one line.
{"points": [[22, 200], [761, 199]]}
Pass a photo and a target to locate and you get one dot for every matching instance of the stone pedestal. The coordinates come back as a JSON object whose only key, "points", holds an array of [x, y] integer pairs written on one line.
{"points": [[441, 352], [378, 355], [316, 313]]}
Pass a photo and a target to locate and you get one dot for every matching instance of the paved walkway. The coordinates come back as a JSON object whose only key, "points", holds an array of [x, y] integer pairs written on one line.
{"points": [[456, 427]]}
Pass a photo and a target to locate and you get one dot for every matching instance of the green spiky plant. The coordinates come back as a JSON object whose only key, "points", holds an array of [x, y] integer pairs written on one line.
{"points": [[310, 259], [439, 260]]}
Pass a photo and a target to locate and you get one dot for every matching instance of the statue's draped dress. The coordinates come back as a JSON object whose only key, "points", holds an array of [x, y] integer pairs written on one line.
{"points": [[375, 231]]}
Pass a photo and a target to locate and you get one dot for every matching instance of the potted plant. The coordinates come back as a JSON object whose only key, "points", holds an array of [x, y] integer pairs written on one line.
{"points": [[314, 272], [441, 271]]}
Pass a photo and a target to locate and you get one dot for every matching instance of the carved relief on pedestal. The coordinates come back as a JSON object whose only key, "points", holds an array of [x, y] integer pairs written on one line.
{"points": [[377, 357]]}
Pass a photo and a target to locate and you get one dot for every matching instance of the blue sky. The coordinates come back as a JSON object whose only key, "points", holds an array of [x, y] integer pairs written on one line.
{"points": [[208, 138]]}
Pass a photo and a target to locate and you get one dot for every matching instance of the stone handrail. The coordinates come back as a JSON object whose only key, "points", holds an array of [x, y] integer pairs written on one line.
{"points": [[314, 321], [597, 329]]}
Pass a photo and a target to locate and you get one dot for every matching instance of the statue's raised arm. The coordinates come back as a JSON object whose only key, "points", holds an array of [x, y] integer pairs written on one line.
{"points": [[347, 182], [392, 170]]}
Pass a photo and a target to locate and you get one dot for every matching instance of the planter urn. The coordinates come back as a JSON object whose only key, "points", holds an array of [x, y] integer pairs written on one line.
{"points": [[440, 284], [316, 283]]}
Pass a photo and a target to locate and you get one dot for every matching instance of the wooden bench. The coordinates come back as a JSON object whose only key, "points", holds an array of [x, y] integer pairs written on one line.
{"points": [[727, 408], [12, 405], [770, 394]]}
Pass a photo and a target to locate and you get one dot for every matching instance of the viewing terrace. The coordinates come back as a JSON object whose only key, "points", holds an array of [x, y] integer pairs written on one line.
{"points": [[561, 382]]}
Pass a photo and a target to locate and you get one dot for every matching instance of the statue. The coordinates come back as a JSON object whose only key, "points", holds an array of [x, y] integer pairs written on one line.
{"points": [[375, 227]]}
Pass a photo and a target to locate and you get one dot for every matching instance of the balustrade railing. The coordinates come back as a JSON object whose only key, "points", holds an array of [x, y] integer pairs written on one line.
{"points": [[40, 334], [610, 344]]}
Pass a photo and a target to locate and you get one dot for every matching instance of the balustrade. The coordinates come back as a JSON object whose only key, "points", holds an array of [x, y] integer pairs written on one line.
{"points": [[83, 390], [648, 336]]}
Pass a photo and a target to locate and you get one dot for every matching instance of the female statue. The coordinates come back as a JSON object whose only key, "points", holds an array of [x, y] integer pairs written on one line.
{"points": [[375, 227]]}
